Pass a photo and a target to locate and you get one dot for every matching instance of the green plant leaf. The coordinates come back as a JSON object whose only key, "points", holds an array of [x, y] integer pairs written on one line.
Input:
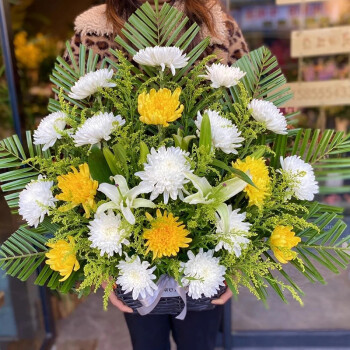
{"points": [[98, 166]]}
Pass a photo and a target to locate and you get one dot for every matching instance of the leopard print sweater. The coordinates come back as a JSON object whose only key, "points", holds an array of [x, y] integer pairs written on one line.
{"points": [[94, 31]]}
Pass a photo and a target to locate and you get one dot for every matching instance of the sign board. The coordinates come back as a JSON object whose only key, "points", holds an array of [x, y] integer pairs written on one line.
{"points": [[319, 93], [318, 42], [289, 2]]}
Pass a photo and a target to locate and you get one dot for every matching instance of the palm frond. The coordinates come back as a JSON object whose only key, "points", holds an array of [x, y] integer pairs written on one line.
{"points": [[325, 151], [264, 80], [163, 27], [23, 254], [64, 76], [12, 158]]}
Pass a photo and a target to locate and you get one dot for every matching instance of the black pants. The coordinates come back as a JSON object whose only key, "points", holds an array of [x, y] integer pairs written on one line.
{"points": [[197, 332]]}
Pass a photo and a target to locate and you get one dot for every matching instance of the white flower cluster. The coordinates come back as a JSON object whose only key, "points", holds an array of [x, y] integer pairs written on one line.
{"points": [[267, 113], [107, 233], [224, 133], [89, 84], [300, 177], [164, 172], [223, 76], [171, 57], [203, 274], [50, 130], [137, 277], [97, 128], [232, 230], [36, 200]]}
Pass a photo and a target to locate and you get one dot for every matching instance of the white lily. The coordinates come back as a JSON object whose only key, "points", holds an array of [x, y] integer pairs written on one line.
{"points": [[124, 199], [208, 194]]}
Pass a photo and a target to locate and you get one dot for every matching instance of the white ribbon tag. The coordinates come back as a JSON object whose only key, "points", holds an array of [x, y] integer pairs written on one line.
{"points": [[167, 288], [170, 292]]}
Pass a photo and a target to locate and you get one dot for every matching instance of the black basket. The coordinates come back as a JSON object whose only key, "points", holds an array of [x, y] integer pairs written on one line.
{"points": [[173, 305]]}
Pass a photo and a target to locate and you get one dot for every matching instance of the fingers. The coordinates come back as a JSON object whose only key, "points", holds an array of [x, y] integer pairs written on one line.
{"points": [[116, 302], [223, 298], [119, 304]]}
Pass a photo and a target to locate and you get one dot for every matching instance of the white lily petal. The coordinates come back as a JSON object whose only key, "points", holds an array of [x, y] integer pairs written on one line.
{"points": [[141, 188], [196, 198], [224, 214], [200, 183], [143, 203], [121, 182], [129, 216], [230, 188], [106, 206], [110, 191]]}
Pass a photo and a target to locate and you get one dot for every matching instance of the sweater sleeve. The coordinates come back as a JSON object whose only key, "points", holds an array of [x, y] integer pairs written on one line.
{"points": [[99, 44], [237, 46]]}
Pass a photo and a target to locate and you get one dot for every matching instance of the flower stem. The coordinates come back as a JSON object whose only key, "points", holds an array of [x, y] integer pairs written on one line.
{"points": [[161, 133]]}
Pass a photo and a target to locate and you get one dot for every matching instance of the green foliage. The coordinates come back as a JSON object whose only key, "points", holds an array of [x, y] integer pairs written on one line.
{"points": [[264, 80], [13, 157]]}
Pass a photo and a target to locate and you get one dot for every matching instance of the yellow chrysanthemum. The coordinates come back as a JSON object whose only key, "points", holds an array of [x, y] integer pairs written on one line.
{"points": [[166, 235], [62, 258], [78, 188], [282, 241], [260, 177], [160, 107]]}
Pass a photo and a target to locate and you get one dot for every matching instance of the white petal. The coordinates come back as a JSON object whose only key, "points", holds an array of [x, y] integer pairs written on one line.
{"points": [[111, 192]]}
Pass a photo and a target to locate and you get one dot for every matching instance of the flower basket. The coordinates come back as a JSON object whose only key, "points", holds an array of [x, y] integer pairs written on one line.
{"points": [[171, 305]]}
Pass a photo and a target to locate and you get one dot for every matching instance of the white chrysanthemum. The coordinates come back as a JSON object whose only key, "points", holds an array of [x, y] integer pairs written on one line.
{"points": [[107, 233], [35, 201], [171, 57], [97, 128], [300, 177], [267, 113], [224, 133], [164, 171], [222, 75], [232, 230], [203, 274], [136, 277], [90, 83], [50, 130]]}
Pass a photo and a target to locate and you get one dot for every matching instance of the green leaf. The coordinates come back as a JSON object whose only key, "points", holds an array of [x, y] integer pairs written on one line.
{"points": [[121, 156], [98, 166], [205, 134], [112, 161], [239, 173], [144, 152]]}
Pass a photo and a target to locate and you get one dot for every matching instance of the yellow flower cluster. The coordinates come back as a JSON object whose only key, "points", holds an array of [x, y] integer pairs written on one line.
{"points": [[30, 54], [166, 235], [78, 188], [259, 173], [160, 107], [62, 258], [282, 241]]}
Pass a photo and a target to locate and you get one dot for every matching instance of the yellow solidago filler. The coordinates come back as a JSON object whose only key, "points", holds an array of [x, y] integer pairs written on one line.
{"points": [[160, 107], [78, 188], [260, 177], [62, 258], [282, 241], [166, 235]]}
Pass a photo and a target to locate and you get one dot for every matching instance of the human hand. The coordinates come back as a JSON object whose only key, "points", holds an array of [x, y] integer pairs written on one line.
{"points": [[116, 302], [223, 298]]}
